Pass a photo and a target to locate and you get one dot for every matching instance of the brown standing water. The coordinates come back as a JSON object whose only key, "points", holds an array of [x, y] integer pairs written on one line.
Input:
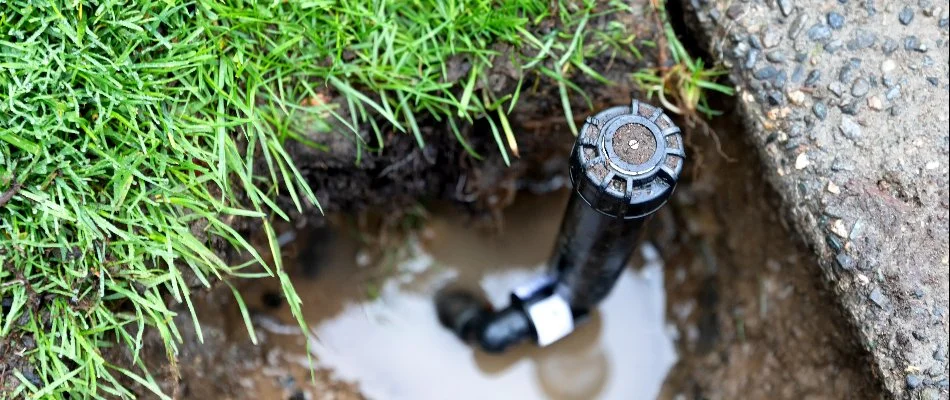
{"points": [[382, 332], [721, 304]]}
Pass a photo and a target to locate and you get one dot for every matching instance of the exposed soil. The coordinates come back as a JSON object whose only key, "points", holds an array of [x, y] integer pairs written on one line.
{"points": [[754, 318], [745, 302]]}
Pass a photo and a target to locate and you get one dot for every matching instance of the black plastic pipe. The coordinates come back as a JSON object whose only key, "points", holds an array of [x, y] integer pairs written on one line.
{"points": [[624, 167]]}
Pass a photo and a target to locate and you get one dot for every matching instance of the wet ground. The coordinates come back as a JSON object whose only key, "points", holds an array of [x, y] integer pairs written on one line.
{"points": [[719, 304], [373, 321]]}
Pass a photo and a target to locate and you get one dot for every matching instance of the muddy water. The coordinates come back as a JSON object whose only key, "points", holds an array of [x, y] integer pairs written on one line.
{"points": [[373, 322]]}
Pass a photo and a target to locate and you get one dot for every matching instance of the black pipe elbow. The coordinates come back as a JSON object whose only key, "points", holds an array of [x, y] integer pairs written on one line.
{"points": [[624, 166]]}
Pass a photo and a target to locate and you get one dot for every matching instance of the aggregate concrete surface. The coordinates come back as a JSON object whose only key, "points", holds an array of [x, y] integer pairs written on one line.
{"points": [[847, 102]]}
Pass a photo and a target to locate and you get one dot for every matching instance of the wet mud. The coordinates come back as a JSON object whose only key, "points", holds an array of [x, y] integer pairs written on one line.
{"points": [[718, 303]]}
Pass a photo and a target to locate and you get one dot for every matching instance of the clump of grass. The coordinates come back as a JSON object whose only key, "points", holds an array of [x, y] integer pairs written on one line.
{"points": [[681, 87], [131, 132]]}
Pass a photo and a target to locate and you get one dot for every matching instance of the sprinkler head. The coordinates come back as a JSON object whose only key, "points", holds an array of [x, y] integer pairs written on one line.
{"points": [[627, 159]]}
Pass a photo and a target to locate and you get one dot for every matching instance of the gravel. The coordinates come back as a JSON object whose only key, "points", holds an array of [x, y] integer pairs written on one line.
{"points": [[766, 72], [893, 93], [821, 111], [851, 108], [786, 7], [833, 46], [906, 15], [890, 45], [888, 66], [751, 59], [819, 33], [878, 298], [850, 129], [914, 381], [775, 56], [912, 43], [798, 24], [813, 77], [863, 39], [835, 20], [860, 87]]}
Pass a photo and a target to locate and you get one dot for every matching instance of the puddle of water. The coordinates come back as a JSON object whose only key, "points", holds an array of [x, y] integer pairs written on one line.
{"points": [[392, 346]]}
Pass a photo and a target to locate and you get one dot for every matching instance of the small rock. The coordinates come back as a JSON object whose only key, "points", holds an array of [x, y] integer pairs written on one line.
{"points": [[735, 11], [875, 103], [893, 93], [776, 56], [820, 110], [835, 20], [780, 79], [906, 15], [888, 66], [864, 279], [860, 87], [796, 97], [931, 165], [920, 336], [933, 81], [819, 32], [838, 228], [911, 43], [890, 45], [755, 42], [813, 77], [740, 50], [862, 40], [850, 129], [785, 6], [837, 88], [766, 72], [846, 75], [914, 381], [851, 108], [896, 111], [845, 261], [878, 298], [833, 189], [801, 161], [797, 25], [801, 56], [833, 46], [798, 74], [771, 37], [751, 59], [931, 11], [889, 80], [944, 22], [776, 98]]}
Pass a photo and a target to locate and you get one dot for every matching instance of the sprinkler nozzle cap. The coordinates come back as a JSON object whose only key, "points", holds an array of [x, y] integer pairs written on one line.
{"points": [[627, 159]]}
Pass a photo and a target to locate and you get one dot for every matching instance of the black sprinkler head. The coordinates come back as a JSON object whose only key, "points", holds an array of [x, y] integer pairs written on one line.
{"points": [[624, 166]]}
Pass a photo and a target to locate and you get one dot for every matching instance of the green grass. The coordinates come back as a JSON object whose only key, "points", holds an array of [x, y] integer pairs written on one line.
{"points": [[683, 87], [130, 132]]}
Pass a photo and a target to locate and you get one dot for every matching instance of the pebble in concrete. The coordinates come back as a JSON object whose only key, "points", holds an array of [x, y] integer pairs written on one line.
{"points": [[820, 110], [819, 33], [835, 20], [860, 87], [906, 15], [850, 129]]}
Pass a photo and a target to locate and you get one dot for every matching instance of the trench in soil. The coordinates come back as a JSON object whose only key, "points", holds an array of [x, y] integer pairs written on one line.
{"points": [[719, 302]]}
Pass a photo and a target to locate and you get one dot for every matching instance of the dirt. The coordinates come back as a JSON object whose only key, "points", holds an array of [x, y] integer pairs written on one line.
{"points": [[634, 143], [754, 317], [745, 314]]}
